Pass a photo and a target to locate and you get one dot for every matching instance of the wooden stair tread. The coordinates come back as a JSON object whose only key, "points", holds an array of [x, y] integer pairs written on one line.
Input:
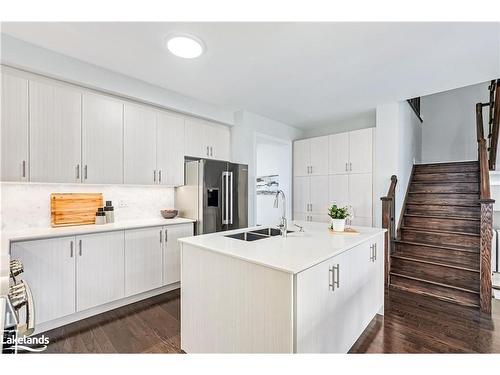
{"points": [[439, 231], [429, 294], [422, 260], [444, 217], [435, 283], [440, 192], [444, 204], [466, 249]]}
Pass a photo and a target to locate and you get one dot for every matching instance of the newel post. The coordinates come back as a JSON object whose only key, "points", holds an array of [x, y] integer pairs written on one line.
{"points": [[387, 202], [485, 292]]}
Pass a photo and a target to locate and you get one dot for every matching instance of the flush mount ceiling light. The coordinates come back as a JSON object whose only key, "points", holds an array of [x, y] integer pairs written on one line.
{"points": [[185, 45]]}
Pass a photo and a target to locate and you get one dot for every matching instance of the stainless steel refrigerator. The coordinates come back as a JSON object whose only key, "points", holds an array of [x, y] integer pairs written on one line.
{"points": [[215, 194]]}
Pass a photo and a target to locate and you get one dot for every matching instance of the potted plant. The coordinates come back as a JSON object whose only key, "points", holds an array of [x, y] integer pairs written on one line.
{"points": [[338, 215]]}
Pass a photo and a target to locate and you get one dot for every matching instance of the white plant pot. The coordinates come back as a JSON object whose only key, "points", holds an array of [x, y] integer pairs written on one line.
{"points": [[338, 225]]}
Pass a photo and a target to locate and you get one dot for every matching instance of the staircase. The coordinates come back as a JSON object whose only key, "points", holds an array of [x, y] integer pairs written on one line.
{"points": [[437, 250]]}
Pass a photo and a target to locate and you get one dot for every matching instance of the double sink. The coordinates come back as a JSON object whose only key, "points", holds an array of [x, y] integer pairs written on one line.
{"points": [[257, 234]]}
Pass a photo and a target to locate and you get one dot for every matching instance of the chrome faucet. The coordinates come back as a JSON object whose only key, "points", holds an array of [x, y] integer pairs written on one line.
{"points": [[283, 223]]}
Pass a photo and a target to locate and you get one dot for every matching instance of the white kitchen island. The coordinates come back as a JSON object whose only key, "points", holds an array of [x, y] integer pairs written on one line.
{"points": [[312, 292]]}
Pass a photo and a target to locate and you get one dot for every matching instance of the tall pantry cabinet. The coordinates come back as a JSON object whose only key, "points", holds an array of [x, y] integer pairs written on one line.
{"points": [[334, 169]]}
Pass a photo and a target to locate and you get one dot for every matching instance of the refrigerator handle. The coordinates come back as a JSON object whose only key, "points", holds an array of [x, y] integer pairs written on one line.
{"points": [[231, 201], [225, 198]]}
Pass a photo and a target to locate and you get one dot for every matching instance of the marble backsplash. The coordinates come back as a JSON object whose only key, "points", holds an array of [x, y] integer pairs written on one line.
{"points": [[27, 205]]}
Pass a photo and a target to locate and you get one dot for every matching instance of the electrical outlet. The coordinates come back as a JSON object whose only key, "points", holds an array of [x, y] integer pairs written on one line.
{"points": [[122, 203]]}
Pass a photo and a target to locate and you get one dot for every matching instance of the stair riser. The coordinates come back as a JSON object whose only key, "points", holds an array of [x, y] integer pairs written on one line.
{"points": [[466, 187], [447, 168], [474, 212], [444, 275], [433, 254], [446, 177], [447, 199], [440, 238], [454, 225], [457, 296]]}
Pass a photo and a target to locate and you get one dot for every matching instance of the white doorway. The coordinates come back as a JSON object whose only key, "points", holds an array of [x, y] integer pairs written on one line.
{"points": [[273, 172]]}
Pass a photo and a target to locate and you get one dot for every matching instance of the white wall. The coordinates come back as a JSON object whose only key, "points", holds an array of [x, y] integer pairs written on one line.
{"points": [[398, 143], [247, 127], [361, 121], [272, 159], [20, 54], [27, 205], [449, 127]]}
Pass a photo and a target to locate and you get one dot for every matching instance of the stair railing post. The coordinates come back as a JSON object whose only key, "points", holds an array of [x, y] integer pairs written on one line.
{"points": [[389, 223]]}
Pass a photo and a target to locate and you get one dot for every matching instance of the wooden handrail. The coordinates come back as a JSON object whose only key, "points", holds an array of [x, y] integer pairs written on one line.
{"points": [[389, 223], [494, 122]]}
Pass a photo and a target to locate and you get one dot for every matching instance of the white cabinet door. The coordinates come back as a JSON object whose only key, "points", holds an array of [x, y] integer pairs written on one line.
{"points": [[102, 140], [321, 316], [301, 194], [301, 157], [220, 143], [360, 151], [170, 149], [319, 156], [339, 153], [49, 269], [143, 260], [100, 266], [360, 194], [318, 200], [14, 128], [139, 140], [319, 218], [300, 216], [55, 132], [338, 190], [196, 141], [171, 252]]}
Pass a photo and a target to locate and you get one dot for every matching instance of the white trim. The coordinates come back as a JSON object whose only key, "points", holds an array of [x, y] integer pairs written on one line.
{"points": [[46, 326]]}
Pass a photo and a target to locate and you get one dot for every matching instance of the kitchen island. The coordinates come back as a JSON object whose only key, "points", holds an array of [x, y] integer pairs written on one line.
{"points": [[311, 292]]}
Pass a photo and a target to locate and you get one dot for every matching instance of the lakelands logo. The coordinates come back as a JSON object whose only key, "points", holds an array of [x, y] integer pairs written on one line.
{"points": [[12, 343]]}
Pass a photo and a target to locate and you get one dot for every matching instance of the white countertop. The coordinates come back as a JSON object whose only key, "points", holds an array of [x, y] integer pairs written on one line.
{"points": [[40, 233], [293, 254]]}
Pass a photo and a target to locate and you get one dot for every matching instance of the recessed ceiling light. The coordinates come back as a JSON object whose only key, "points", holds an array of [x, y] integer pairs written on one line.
{"points": [[185, 46]]}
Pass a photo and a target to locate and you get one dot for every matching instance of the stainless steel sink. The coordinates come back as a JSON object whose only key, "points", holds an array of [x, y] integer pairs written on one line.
{"points": [[258, 234]]}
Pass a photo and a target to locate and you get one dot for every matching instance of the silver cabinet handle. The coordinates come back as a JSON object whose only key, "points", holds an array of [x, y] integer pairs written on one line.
{"points": [[211, 151], [334, 281], [374, 252], [337, 281], [208, 149], [78, 171], [166, 235], [346, 169], [161, 236], [350, 167], [71, 247], [85, 169], [159, 176], [331, 277], [154, 176], [80, 246], [24, 168]]}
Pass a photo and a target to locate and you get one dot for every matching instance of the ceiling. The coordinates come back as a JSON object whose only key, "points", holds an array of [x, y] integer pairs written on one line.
{"points": [[303, 74]]}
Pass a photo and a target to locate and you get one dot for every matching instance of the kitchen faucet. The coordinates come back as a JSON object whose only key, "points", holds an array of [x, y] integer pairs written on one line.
{"points": [[283, 222]]}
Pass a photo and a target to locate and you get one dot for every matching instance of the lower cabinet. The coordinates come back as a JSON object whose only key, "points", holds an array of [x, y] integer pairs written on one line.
{"points": [[99, 269], [49, 269], [76, 273], [143, 259], [337, 299]]}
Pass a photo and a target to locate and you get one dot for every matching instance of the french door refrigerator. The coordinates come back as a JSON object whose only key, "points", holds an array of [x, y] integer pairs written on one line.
{"points": [[215, 194]]}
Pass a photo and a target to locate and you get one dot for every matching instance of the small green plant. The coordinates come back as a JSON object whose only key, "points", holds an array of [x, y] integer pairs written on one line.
{"points": [[336, 212]]}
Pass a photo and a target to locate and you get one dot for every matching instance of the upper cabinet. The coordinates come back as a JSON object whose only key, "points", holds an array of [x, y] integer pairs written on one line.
{"points": [[207, 140], [102, 140], [54, 132], [58, 132], [139, 130], [310, 157], [351, 152], [170, 149], [14, 128]]}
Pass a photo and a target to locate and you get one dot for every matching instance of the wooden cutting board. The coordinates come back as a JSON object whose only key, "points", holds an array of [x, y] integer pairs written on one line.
{"points": [[74, 208], [346, 232]]}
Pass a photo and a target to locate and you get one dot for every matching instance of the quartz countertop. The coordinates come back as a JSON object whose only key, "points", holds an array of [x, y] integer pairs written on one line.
{"points": [[7, 237], [293, 254]]}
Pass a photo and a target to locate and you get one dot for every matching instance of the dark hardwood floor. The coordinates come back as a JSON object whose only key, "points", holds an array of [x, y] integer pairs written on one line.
{"points": [[412, 324]]}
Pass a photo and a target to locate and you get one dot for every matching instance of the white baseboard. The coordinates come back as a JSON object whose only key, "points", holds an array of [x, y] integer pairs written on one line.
{"points": [[47, 326]]}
